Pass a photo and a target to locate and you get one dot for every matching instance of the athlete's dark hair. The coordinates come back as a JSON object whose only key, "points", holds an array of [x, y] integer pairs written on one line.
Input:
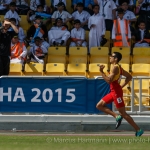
{"points": [[118, 55]]}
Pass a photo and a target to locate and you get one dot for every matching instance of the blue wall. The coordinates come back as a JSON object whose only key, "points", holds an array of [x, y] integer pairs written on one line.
{"points": [[57, 95]]}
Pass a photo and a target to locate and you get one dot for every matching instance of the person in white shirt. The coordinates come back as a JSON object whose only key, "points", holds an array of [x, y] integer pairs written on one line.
{"points": [[3, 6], [97, 28], [55, 2], [81, 15], [12, 13], [108, 10], [130, 2], [35, 3], [37, 51], [58, 35], [121, 33], [78, 35], [21, 35], [18, 50], [22, 6], [60, 13], [128, 15]]}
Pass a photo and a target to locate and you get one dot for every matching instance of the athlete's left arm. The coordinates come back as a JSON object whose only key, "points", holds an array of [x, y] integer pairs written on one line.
{"points": [[109, 78], [128, 77]]}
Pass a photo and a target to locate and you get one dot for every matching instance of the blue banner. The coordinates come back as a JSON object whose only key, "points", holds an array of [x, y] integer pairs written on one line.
{"points": [[55, 95]]}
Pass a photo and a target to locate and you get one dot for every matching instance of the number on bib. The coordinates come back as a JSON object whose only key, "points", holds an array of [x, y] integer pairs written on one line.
{"points": [[119, 100]]}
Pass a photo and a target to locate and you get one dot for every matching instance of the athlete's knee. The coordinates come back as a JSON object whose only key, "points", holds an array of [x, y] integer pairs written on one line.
{"points": [[100, 104]]}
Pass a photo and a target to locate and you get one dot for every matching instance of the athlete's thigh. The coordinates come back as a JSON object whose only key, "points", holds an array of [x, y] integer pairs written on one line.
{"points": [[108, 98]]}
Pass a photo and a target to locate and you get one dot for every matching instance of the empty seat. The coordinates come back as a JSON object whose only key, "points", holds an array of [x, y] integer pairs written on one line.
{"points": [[94, 70], [24, 23], [140, 69], [78, 55], [55, 69], [76, 69], [33, 69], [15, 69]]}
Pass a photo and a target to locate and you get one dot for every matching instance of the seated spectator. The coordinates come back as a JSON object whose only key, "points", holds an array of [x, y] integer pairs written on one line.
{"points": [[18, 50], [21, 35], [60, 13], [108, 11], [22, 6], [78, 35], [3, 6], [31, 15], [37, 51], [35, 3], [12, 13], [141, 36], [37, 29], [55, 2], [87, 5], [58, 35], [81, 15], [97, 28], [128, 15], [130, 2], [121, 33]]}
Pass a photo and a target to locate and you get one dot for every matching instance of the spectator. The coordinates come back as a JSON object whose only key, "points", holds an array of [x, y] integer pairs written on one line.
{"points": [[35, 3], [108, 10], [5, 46], [18, 50], [21, 36], [141, 36], [130, 2], [37, 52], [12, 13], [37, 29], [87, 5], [97, 28], [55, 2], [40, 9], [121, 33], [58, 35], [22, 6], [60, 13], [78, 35], [3, 6], [128, 15], [81, 15]]}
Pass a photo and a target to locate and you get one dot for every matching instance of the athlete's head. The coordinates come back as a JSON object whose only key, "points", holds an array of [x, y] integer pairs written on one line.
{"points": [[115, 57]]}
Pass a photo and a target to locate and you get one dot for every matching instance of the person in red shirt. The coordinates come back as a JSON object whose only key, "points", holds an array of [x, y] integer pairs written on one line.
{"points": [[116, 93]]}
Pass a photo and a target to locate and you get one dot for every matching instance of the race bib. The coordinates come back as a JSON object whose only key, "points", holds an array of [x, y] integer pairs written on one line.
{"points": [[119, 100]]}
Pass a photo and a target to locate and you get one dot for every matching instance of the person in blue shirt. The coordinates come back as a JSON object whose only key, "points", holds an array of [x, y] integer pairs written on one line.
{"points": [[87, 5]]}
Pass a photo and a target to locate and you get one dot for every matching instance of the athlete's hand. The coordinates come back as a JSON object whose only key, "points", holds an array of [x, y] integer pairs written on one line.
{"points": [[101, 68]]}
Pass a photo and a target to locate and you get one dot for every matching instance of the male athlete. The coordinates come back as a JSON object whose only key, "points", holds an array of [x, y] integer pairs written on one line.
{"points": [[116, 94]]}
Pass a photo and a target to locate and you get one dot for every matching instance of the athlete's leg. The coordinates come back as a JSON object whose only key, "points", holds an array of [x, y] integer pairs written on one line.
{"points": [[101, 105], [128, 118]]}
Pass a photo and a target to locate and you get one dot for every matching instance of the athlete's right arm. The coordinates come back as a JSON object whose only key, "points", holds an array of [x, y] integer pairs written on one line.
{"points": [[128, 77]]}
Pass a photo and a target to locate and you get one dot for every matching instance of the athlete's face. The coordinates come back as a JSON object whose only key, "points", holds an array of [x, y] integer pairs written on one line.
{"points": [[112, 58]]}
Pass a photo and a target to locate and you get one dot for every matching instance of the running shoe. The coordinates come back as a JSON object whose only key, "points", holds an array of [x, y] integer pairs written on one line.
{"points": [[118, 121], [139, 133]]}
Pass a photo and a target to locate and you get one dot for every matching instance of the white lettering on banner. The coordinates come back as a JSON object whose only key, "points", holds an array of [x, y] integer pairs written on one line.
{"points": [[73, 97], [59, 91], [35, 98], [50, 95], [8, 94], [19, 94]]}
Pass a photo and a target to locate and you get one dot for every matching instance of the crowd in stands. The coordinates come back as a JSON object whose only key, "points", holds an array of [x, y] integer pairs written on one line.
{"points": [[125, 19]]}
